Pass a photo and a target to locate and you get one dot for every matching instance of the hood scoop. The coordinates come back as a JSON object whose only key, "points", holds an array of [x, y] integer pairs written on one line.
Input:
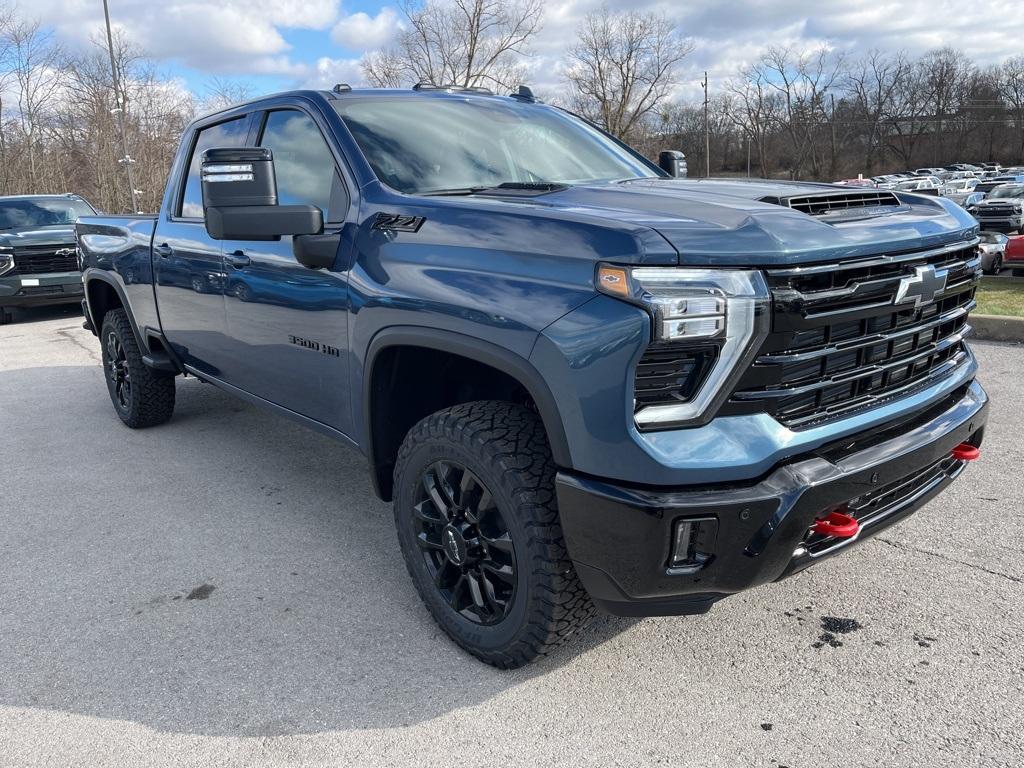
{"points": [[844, 205]]}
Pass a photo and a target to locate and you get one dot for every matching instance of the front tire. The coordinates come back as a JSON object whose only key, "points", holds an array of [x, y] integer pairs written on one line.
{"points": [[6, 316], [141, 396], [479, 530]]}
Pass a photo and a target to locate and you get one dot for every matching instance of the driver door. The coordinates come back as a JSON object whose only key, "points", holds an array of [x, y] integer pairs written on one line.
{"points": [[287, 323]]}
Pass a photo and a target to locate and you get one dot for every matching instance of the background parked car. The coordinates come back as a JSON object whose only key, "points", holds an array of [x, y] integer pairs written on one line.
{"points": [[957, 190], [38, 261], [993, 251], [1002, 210], [923, 186], [1013, 258]]}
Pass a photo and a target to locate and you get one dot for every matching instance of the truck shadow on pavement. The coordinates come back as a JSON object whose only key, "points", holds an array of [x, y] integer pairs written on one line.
{"points": [[228, 573]]}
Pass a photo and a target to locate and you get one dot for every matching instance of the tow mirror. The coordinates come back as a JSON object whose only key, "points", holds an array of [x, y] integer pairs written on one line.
{"points": [[240, 198], [673, 163]]}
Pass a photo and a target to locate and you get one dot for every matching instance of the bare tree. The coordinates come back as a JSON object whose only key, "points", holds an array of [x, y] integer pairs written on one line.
{"points": [[757, 112], [36, 64], [222, 93], [468, 43], [872, 85], [623, 66]]}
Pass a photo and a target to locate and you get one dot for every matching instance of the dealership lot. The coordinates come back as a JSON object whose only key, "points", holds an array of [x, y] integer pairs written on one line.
{"points": [[225, 590]]}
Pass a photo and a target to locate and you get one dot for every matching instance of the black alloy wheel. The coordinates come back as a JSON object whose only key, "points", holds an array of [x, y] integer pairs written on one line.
{"points": [[116, 362], [142, 397], [477, 520], [466, 544]]}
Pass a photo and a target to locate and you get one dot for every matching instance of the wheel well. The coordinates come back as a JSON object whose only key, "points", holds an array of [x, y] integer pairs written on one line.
{"points": [[408, 383], [102, 299]]}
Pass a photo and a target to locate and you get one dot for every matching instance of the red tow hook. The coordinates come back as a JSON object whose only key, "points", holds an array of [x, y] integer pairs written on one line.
{"points": [[837, 525], [966, 452]]}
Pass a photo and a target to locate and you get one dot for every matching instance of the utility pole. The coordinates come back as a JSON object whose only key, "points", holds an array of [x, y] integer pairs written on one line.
{"points": [[119, 106], [707, 131]]}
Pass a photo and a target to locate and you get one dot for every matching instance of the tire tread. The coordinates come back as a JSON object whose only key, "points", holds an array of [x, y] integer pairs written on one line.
{"points": [[511, 439]]}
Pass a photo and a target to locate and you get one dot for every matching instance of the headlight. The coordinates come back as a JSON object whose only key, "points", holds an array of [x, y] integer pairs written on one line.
{"points": [[6, 260], [719, 315]]}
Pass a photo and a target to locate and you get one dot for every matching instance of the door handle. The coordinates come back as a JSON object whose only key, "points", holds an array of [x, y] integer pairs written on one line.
{"points": [[237, 259], [164, 250]]}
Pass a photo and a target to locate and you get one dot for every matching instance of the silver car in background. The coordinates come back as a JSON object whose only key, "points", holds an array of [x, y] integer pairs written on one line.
{"points": [[993, 251], [1002, 210]]}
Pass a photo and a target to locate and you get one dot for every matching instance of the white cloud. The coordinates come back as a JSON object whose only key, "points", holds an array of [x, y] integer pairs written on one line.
{"points": [[226, 36], [328, 72], [362, 32], [249, 36]]}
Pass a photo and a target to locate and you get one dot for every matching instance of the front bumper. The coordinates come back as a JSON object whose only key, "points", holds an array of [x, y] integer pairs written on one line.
{"points": [[620, 538], [1001, 223], [41, 290]]}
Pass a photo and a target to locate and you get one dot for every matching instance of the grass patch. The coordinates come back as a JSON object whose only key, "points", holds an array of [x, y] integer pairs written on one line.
{"points": [[1001, 296]]}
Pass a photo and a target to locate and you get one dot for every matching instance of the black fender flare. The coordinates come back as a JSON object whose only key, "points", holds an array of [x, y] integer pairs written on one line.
{"points": [[485, 352], [93, 275]]}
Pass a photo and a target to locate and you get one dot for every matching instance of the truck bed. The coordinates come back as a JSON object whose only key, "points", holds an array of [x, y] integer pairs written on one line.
{"points": [[118, 250]]}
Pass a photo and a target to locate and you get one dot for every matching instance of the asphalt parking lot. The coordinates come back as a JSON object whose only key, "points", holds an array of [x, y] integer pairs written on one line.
{"points": [[225, 590]]}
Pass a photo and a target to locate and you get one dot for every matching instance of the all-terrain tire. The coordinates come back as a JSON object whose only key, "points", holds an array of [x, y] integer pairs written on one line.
{"points": [[504, 446], [141, 396]]}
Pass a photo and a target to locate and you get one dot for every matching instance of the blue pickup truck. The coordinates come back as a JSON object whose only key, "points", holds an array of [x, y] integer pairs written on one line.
{"points": [[584, 382]]}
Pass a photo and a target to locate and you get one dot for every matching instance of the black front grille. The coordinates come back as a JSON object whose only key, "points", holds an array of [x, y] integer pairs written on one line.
{"points": [[670, 373], [1001, 211], [840, 344], [43, 259]]}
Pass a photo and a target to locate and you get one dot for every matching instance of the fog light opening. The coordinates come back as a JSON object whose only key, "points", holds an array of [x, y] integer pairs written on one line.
{"points": [[692, 544]]}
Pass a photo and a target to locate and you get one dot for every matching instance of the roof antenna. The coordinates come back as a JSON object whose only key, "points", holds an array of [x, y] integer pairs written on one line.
{"points": [[525, 93]]}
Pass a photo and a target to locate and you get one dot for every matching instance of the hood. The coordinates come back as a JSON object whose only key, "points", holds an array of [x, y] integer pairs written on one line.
{"points": [[19, 238], [726, 222]]}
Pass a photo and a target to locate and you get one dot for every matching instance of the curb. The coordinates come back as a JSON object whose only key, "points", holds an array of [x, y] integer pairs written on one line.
{"points": [[997, 328]]}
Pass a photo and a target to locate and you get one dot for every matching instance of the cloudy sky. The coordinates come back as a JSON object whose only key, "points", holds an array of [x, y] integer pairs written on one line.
{"points": [[275, 44]]}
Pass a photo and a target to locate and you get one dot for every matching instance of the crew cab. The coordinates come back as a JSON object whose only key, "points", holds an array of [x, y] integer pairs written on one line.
{"points": [[583, 382], [38, 263]]}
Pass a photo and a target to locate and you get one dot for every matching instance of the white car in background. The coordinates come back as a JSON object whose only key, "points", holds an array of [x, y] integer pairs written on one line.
{"points": [[925, 185], [958, 190]]}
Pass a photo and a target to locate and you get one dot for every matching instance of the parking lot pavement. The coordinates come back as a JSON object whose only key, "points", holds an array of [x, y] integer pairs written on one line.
{"points": [[225, 590]]}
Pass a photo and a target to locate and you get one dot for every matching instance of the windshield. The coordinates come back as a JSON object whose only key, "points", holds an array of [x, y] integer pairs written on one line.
{"points": [[1008, 190], [27, 213], [434, 144], [908, 185]]}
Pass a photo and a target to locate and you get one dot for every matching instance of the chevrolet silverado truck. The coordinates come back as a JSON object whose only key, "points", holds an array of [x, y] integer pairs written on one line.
{"points": [[1002, 210], [38, 262], [584, 383]]}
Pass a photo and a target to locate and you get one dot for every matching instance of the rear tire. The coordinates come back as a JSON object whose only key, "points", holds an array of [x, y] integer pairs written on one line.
{"points": [[141, 396], [479, 530]]}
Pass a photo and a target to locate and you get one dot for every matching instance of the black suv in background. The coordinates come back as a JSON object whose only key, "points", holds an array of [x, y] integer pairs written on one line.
{"points": [[38, 261]]}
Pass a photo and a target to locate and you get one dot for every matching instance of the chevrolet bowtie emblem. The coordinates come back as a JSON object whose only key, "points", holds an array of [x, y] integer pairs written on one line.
{"points": [[922, 288], [64, 252]]}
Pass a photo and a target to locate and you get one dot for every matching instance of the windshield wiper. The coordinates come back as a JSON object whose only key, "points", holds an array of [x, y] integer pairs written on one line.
{"points": [[454, 191], [510, 187]]}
